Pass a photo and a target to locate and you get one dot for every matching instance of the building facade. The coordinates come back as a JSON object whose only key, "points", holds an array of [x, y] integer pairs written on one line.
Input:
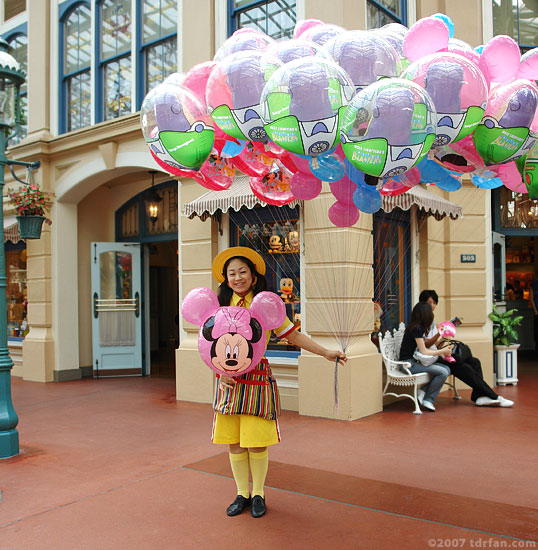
{"points": [[89, 65]]}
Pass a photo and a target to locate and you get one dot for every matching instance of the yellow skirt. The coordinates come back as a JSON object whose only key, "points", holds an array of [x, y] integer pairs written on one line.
{"points": [[247, 430]]}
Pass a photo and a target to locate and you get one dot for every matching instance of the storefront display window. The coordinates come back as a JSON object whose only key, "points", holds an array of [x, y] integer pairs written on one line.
{"points": [[17, 301], [520, 267], [516, 210], [274, 233]]}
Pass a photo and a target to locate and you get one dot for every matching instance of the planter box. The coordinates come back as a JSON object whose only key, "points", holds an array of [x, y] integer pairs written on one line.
{"points": [[30, 226], [506, 364]]}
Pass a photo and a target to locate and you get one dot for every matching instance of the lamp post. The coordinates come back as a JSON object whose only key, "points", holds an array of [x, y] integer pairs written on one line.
{"points": [[11, 79]]}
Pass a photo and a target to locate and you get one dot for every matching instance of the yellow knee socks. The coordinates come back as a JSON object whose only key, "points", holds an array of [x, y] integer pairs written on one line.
{"points": [[239, 463], [259, 462]]}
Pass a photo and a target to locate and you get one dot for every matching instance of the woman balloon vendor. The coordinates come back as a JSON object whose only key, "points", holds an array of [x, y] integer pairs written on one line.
{"points": [[246, 405]]}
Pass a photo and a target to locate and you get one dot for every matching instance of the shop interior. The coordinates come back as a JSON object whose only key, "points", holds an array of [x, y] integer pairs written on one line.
{"points": [[164, 307]]}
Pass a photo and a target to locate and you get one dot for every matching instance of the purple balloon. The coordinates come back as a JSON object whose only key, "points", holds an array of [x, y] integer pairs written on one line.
{"points": [[246, 80], [393, 114], [169, 113], [305, 186], [521, 110], [443, 81], [309, 99], [343, 215]]}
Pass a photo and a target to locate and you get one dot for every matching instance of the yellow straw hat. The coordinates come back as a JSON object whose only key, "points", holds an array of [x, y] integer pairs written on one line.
{"points": [[245, 252]]}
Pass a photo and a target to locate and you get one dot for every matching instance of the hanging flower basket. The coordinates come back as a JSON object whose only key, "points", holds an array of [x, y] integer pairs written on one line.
{"points": [[30, 226]]}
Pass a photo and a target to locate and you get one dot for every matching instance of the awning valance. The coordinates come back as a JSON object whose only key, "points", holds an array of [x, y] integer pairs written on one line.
{"points": [[240, 194], [11, 230]]}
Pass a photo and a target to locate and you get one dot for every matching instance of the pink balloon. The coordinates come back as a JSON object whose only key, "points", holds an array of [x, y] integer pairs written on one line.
{"points": [[252, 163], [198, 305], [510, 176], [460, 156], [392, 188], [500, 59], [447, 329], [171, 169], [343, 190], [528, 68], [274, 187], [343, 215], [196, 79], [428, 35], [305, 186], [301, 163], [305, 24], [217, 173], [268, 309]]}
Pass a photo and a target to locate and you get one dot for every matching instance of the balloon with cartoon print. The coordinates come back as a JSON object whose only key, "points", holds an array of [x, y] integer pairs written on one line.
{"points": [[232, 339], [302, 104], [388, 127], [458, 90], [233, 93], [504, 134], [274, 187], [176, 127]]}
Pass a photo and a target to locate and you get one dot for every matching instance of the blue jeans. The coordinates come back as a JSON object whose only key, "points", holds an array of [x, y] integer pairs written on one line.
{"points": [[439, 374]]}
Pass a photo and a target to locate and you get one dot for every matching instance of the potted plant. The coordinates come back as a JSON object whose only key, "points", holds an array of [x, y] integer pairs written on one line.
{"points": [[504, 335], [32, 205]]}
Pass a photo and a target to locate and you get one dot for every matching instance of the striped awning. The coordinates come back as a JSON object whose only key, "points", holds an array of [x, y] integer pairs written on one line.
{"points": [[240, 194], [11, 230]]}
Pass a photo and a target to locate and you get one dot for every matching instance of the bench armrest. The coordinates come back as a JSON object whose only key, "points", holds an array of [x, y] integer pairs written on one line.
{"points": [[398, 365]]}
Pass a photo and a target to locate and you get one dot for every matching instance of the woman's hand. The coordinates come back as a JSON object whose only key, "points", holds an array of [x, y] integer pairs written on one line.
{"points": [[227, 382], [445, 352], [332, 355]]}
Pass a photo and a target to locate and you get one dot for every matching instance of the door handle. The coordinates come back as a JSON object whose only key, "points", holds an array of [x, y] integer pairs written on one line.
{"points": [[95, 300], [137, 305]]}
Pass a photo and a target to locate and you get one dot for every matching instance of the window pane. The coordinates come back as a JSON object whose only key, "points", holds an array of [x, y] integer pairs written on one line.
{"points": [[395, 6], [115, 27], [159, 19], [276, 18], [78, 101], [161, 61], [377, 18], [77, 47], [505, 18], [117, 88]]}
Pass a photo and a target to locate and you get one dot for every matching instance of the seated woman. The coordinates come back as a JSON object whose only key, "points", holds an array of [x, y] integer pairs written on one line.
{"points": [[469, 371], [413, 339]]}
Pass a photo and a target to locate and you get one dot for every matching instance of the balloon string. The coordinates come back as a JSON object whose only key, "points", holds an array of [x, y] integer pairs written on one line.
{"points": [[336, 385]]}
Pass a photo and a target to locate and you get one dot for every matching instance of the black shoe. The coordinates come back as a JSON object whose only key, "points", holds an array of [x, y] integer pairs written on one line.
{"points": [[238, 505], [258, 508]]}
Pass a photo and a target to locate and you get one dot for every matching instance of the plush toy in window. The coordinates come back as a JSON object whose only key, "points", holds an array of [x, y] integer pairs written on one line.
{"points": [[286, 290], [275, 243]]}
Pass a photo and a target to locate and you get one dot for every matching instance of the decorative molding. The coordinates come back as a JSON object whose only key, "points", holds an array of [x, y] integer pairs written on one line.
{"points": [[109, 151]]}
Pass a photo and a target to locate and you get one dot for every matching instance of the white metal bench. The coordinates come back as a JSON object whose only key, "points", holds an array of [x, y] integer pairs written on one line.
{"points": [[390, 351]]}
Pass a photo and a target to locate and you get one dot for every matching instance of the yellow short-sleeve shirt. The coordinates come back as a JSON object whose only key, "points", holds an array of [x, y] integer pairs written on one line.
{"points": [[287, 327]]}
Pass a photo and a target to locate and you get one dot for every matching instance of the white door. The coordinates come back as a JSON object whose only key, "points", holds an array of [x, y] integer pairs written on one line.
{"points": [[116, 306]]}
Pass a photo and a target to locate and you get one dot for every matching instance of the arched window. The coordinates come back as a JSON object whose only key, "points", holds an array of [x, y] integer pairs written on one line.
{"points": [[76, 79], [276, 18], [383, 12], [19, 45], [159, 41], [115, 61]]}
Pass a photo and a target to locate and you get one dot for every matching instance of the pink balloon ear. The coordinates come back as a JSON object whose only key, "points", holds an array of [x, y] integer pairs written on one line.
{"points": [[428, 35], [529, 65], [501, 58], [198, 305], [268, 309]]}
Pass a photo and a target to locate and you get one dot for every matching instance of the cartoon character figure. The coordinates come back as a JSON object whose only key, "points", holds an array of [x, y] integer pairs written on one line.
{"points": [[232, 339], [293, 240], [271, 180], [297, 320], [275, 243], [286, 290], [447, 330]]}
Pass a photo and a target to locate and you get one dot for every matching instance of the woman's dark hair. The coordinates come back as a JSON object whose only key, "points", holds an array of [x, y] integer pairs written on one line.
{"points": [[225, 293], [421, 317], [425, 294]]}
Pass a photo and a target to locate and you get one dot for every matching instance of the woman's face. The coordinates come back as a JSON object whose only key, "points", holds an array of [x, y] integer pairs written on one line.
{"points": [[239, 277]]}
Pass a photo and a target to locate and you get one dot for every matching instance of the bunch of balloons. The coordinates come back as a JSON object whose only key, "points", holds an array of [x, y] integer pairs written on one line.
{"points": [[372, 113]]}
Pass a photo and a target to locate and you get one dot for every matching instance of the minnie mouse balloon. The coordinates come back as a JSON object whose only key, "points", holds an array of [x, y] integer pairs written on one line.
{"points": [[302, 103], [177, 129], [232, 339], [458, 90], [388, 127], [504, 133], [233, 93]]}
